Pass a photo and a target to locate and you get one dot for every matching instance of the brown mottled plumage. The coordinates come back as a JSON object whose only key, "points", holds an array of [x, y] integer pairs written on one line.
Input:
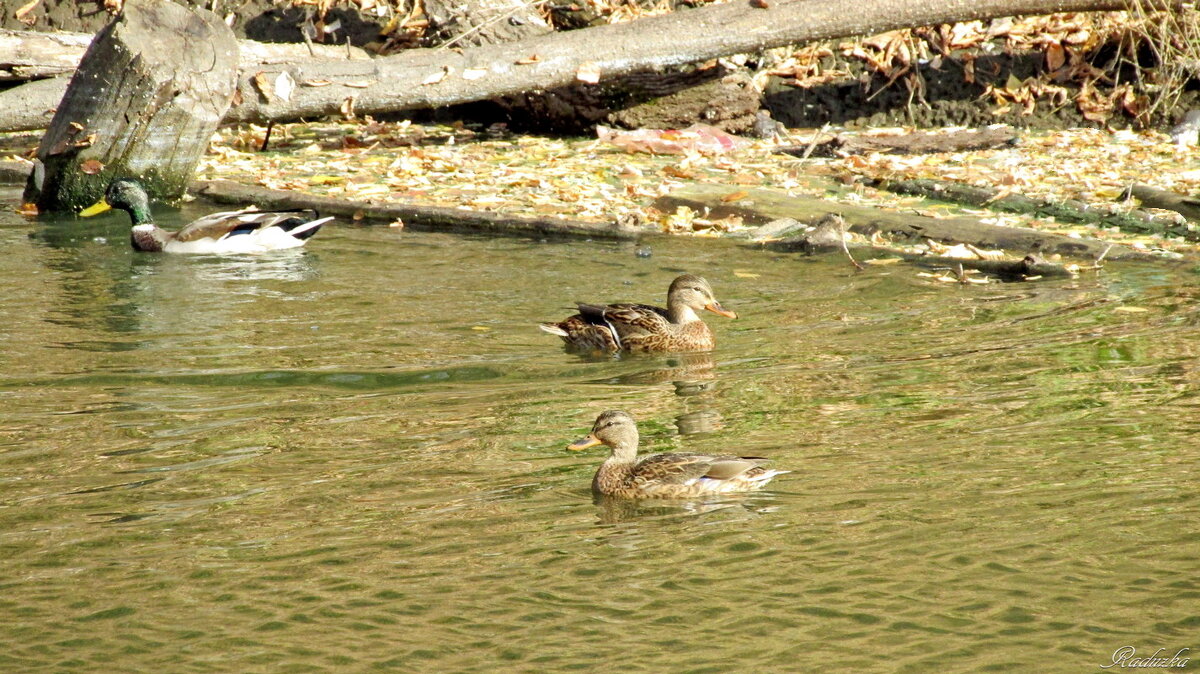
{"points": [[642, 327], [674, 475]]}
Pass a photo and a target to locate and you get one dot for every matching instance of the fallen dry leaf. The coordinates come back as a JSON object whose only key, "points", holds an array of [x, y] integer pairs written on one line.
{"points": [[91, 166], [263, 86]]}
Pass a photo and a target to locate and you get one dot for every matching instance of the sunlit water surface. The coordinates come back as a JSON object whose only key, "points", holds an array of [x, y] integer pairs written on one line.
{"points": [[352, 457]]}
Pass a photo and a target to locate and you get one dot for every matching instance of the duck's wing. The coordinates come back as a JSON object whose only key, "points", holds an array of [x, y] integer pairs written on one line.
{"points": [[628, 320], [249, 221], [686, 468]]}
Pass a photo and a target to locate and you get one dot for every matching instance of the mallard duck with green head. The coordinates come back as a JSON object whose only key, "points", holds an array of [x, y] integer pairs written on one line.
{"points": [[673, 475], [643, 327], [244, 231]]}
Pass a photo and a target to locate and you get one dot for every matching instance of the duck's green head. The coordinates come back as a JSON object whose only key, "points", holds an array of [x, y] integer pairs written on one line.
{"points": [[124, 194]]}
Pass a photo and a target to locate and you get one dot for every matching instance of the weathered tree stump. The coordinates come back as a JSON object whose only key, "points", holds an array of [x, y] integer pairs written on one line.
{"points": [[145, 101]]}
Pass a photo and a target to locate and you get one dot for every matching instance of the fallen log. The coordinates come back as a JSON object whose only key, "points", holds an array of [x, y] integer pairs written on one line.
{"points": [[763, 206], [29, 55], [139, 105], [1188, 207], [437, 218], [1136, 222], [915, 142], [31, 106], [430, 78]]}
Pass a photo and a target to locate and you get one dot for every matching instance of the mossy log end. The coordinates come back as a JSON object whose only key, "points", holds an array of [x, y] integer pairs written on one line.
{"points": [[760, 206], [434, 218], [145, 101]]}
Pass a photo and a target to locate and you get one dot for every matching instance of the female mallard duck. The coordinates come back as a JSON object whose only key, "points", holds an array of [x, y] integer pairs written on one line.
{"points": [[665, 475], [641, 327], [245, 231]]}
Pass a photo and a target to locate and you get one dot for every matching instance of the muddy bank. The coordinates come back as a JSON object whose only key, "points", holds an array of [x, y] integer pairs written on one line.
{"points": [[946, 97]]}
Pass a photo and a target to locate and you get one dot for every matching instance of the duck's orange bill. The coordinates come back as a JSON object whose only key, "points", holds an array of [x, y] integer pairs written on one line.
{"points": [[584, 443], [719, 310], [95, 209]]}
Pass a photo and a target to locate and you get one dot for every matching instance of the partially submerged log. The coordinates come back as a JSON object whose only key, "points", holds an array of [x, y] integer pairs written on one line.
{"points": [[1151, 197], [914, 142], [139, 105], [27, 55], [420, 217], [1137, 222], [763, 206]]}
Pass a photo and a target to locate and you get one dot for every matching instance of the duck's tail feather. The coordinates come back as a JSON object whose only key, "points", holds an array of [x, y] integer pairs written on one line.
{"points": [[303, 230]]}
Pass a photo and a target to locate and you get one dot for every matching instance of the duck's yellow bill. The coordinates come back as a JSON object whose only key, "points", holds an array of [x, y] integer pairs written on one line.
{"points": [[584, 443], [719, 310], [95, 209]]}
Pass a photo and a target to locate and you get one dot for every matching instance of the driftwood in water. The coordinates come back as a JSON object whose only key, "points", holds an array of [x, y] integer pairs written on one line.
{"points": [[762, 206], [1136, 222], [140, 104], [1188, 207], [915, 142], [27, 55], [419, 217]]}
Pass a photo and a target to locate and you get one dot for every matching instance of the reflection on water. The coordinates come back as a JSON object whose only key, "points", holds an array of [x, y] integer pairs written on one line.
{"points": [[350, 457]]}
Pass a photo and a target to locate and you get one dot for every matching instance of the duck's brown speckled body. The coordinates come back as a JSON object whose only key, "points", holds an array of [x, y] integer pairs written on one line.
{"points": [[642, 327], [674, 475]]}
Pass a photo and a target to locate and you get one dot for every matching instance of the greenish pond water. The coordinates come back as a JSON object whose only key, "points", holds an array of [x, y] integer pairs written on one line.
{"points": [[351, 458]]}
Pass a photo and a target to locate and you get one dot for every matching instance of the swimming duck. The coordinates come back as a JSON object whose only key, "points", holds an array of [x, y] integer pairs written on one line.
{"points": [[675, 475], [244, 231], [641, 327]]}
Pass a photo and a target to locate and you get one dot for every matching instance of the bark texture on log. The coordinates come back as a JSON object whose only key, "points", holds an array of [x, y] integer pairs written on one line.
{"points": [[25, 55], [138, 105]]}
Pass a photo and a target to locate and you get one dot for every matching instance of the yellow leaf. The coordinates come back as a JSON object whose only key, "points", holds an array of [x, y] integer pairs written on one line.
{"points": [[480, 328], [745, 274], [326, 180], [1131, 310]]}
